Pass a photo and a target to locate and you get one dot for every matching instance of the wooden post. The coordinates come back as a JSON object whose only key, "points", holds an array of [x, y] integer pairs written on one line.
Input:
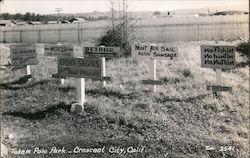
{"points": [[103, 71], [153, 72], [218, 80], [28, 70], [80, 90]]}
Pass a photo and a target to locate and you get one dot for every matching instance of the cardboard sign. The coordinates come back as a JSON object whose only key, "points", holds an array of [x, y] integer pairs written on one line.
{"points": [[219, 88], [58, 50], [107, 52], [23, 55], [218, 57], [80, 67], [160, 52]]}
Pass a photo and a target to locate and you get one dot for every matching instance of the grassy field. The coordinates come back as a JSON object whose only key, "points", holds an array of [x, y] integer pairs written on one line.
{"points": [[181, 119]]}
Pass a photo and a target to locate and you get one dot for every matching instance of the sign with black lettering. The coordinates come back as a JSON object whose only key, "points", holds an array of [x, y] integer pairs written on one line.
{"points": [[107, 52], [22, 55], [219, 88], [80, 67], [218, 57], [161, 52], [58, 50]]}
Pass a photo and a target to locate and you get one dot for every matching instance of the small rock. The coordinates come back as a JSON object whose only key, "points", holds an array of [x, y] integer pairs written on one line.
{"points": [[76, 108], [10, 136]]}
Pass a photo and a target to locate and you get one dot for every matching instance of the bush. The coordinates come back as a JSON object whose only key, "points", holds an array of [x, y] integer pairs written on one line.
{"points": [[243, 48], [116, 37]]}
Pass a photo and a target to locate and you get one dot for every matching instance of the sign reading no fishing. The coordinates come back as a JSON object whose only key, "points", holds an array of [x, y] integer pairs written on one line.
{"points": [[22, 55], [218, 57]]}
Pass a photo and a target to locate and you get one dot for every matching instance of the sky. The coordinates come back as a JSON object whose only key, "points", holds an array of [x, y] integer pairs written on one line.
{"points": [[83, 6]]}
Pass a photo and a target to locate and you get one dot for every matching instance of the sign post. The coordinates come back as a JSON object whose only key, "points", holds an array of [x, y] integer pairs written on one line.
{"points": [[80, 68], [218, 57], [58, 51], [102, 52], [153, 73], [153, 53], [23, 55]]}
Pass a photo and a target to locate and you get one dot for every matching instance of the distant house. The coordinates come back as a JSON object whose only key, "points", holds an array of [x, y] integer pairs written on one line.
{"points": [[20, 23], [35, 23], [7, 23], [52, 22], [78, 20]]}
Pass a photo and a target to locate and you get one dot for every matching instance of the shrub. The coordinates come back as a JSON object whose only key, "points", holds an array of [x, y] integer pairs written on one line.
{"points": [[243, 48]]}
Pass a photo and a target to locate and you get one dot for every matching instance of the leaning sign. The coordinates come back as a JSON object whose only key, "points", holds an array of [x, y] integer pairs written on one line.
{"points": [[58, 50], [218, 57], [80, 67], [160, 52], [107, 52], [22, 55]]}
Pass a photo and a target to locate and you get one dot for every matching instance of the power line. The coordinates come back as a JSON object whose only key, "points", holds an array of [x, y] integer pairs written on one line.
{"points": [[58, 10]]}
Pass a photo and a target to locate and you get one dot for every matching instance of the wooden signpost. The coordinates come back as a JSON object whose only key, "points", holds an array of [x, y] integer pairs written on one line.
{"points": [[154, 52], [80, 68], [58, 51], [218, 57], [102, 52], [23, 55]]}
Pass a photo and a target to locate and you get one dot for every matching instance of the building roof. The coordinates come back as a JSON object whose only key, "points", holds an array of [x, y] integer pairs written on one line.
{"points": [[7, 23]]}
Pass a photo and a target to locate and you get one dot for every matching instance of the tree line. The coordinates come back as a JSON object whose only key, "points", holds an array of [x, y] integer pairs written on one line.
{"points": [[45, 18]]}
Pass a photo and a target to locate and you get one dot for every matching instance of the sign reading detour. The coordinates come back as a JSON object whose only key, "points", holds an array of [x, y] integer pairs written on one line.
{"points": [[22, 55], [219, 57], [142, 51], [58, 50], [80, 67], [107, 52]]}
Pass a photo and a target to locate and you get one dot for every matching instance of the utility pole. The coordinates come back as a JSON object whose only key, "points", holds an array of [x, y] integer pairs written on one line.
{"points": [[58, 10]]}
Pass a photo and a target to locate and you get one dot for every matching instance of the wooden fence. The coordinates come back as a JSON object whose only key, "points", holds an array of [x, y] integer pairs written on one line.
{"points": [[230, 27]]}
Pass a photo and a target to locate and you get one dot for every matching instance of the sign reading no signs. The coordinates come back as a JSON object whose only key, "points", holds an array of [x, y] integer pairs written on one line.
{"points": [[22, 55], [218, 57], [80, 67]]}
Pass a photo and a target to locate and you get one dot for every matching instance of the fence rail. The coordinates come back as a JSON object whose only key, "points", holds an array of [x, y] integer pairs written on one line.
{"points": [[157, 30]]}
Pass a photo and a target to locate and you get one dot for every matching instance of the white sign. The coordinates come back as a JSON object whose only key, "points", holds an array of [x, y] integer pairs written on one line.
{"points": [[58, 50], [23, 55], [218, 57], [143, 51]]}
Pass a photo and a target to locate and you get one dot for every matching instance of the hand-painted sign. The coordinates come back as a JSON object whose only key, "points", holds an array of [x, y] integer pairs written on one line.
{"points": [[23, 55], [58, 50], [143, 51], [219, 57], [107, 52], [80, 67]]}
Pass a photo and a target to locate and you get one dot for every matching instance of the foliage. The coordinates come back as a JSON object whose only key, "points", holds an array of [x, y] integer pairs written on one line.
{"points": [[157, 13], [243, 48]]}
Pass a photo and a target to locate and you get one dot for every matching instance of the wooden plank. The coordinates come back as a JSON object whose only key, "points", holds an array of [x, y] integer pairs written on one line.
{"points": [[80, 67], [107, 52], [153, 82], [159, 52], [23, 55], [219, 88], [218, 56]]}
